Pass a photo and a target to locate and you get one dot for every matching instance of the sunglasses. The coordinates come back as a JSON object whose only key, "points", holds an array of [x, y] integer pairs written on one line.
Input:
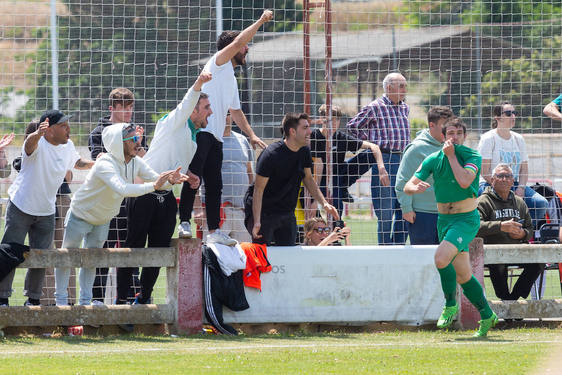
{"points": [[134, 138], [324, 229], [502, 176], [510, 113]]}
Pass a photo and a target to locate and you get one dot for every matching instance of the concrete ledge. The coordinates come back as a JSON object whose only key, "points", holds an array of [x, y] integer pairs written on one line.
{"points": [[527, 309], [524, 253], [147, 257], [85, 315]]}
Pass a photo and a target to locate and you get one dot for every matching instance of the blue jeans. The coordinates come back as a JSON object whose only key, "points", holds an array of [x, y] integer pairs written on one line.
{"points": [[391, 227], [348, 173], [41, 230], [424, 229], [537, 203], [94, 236]]}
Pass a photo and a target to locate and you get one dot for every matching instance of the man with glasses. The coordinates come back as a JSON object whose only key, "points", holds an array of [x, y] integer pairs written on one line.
{"points": [[455, 169], [384, 122], [505, 219], [111, 179]]}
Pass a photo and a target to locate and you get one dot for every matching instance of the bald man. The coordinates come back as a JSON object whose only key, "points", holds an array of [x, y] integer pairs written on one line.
{"points": [[384, 122]]}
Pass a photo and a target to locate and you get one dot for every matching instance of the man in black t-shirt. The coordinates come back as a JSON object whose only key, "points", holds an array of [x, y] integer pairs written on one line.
{"points": [[280, 169]]}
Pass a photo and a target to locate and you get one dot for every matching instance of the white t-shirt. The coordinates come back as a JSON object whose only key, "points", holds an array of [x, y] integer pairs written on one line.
{"points": [[35, 189], [223, 95], [510, 151]]}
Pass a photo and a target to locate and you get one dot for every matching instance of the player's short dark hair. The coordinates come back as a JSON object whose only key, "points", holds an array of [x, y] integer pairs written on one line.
{"points": [[226, 38], [454, 122], [438, 112], [121, 95], [291, 121], [201, 96]]}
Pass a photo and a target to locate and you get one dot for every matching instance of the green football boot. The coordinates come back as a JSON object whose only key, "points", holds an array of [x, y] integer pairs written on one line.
{"points": [[486, 324], [447, 316]]}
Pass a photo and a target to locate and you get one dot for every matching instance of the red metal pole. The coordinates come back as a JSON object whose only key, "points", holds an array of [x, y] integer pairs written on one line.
{"points": [[328, 77], [306, 55]]}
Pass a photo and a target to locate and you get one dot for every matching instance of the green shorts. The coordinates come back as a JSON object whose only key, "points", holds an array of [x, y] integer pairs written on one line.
{"points": [[458, 229]]}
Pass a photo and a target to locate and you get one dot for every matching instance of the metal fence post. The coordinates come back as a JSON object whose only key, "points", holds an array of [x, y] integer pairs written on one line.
{"points": [[469, 316]]}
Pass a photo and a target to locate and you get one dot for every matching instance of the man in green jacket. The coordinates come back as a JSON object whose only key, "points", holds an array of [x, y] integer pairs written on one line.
{"points": [[505, 219], [420, 211]]}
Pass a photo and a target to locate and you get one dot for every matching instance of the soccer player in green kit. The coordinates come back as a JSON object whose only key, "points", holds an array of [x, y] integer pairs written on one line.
{"points": [[455, 170]]}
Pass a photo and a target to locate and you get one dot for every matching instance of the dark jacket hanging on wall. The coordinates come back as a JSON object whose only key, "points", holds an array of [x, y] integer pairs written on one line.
{"points": [[11, 255], [220, 290]]}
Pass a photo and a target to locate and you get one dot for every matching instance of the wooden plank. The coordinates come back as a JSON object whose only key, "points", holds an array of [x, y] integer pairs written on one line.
{"points": [[524, 253], [84, 315], [126, 257], [546, 308]]}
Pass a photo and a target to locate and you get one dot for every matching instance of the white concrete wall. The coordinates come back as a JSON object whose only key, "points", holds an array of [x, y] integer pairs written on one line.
{"points": [[346, 285]]}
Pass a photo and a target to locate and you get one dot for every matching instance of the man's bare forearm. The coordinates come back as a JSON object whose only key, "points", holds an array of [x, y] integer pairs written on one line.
{"points": [[84, 164]]}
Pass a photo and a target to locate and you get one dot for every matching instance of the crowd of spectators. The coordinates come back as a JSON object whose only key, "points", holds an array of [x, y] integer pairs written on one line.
{"points": [[127, 200]]}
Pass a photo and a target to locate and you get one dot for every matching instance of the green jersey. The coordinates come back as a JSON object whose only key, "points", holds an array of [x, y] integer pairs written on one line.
{"points": [[447, 189]]}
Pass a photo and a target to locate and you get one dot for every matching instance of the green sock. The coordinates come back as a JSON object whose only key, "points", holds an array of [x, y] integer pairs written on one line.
{"points": [[449, 284], [475, 294]]}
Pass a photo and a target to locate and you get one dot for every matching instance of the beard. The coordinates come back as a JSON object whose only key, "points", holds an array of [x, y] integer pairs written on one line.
{"points": [[240, 58]]}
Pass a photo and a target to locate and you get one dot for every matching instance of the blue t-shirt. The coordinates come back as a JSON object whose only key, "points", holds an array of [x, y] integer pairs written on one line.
{"points": [[558, 100]]}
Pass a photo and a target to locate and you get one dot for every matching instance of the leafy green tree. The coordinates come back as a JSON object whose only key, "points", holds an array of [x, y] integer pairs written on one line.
{"points": [[153, 48], [528, 83], [239, 14]]}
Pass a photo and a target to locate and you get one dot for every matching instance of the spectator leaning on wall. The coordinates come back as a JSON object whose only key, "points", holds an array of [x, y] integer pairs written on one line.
{"points": [[47, 154], [99, 198], [279, 171], [152, 216]]}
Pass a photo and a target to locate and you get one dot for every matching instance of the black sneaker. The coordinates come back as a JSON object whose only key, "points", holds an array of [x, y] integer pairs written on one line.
{"points": [[4, 302], [32, 302]]}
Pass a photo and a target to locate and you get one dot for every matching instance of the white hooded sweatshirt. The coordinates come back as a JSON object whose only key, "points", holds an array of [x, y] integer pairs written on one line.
{"points": [[110, 180]]}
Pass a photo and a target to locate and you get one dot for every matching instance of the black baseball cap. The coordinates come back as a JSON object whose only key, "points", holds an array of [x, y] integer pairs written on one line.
{"points": [[55, 117]]}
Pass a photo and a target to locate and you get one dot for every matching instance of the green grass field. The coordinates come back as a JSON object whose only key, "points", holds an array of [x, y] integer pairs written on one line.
{"points": [[512, 351]]}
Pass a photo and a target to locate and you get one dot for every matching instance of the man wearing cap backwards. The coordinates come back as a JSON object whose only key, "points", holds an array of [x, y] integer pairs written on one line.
{"points": [[110, 180], [48, 153]]}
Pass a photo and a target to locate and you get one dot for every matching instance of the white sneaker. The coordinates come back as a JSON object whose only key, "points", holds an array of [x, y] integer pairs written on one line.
{"points": [[220, 237], [184, 230], [95, 302]]}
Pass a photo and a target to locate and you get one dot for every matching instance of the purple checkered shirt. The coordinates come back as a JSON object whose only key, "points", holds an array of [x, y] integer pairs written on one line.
{"points": [[383, 123]]}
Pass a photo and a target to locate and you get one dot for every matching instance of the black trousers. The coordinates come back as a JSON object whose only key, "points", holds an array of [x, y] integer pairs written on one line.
{"points": [[207, 164], [278, 229], [115, 239], [522, 288], [151, 216]]}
